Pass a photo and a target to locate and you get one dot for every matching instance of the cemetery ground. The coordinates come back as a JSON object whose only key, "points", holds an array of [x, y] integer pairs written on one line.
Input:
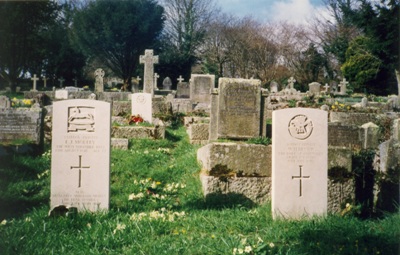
{"points": [[157, 207]]}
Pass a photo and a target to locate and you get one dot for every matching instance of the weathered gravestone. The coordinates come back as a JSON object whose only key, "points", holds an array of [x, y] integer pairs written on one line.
{"points": [[80, 163], [142, 105], [5, 102], [314, 88], [148, 59], [236, 110], [167, 83], [183, 90], [274, 86], [200, 88], [23, 124], [99, 80], [299, 163], [135, 84]]}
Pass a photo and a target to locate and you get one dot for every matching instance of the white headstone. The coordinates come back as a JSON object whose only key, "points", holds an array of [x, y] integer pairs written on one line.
{"points": [[167, 83], [142, 105], [34, 79], [299, 163], [61, 94], [80, 163], [148, 59]]}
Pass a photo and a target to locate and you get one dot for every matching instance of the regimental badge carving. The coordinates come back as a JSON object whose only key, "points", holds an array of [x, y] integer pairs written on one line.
{"points": [[141, 99], [300, 127], [81, 119]]}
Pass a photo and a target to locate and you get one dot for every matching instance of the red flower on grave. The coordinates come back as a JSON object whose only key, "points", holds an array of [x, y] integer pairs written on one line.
{"points": [[135, 119]]}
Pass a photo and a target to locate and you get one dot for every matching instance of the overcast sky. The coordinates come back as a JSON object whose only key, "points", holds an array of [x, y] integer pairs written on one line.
{"points": [[295, 11]]}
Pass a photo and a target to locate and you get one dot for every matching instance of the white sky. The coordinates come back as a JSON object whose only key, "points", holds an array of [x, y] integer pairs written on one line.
{"points": [[294, 11]]}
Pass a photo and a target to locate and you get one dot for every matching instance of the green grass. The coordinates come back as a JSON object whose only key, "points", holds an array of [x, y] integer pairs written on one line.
{"points": [[181, 223]]}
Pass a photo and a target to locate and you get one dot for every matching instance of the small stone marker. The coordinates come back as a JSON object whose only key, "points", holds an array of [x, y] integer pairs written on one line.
{"points": [[80, 164], [167, 83], [291, 82], [364, 102], [299, 163], [44, 82], [148, 59], [34, 79], [99, 80], [61, 80], [326, 87], [200, 88], [343, 86], [156, 76], [314, 88], [274, 86], [142, 105], [5, 102]]}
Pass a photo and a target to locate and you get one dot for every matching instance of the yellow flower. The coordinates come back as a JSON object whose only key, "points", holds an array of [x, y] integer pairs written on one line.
{"points": [[333, 107], [336, 103], [4, 222]]}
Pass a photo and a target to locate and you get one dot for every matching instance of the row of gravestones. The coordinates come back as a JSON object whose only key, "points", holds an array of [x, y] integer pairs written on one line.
{"points": [[81, 158]]}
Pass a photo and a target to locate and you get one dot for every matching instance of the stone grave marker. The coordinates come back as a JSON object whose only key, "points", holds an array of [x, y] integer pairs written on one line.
{"points": [[274, 86], [183, 90], [80, 163], [5, 102], [299, 163], [44, 82], [61, 80], [200, 88], [21, 124], [239, 108], [167, 83], [156, 76], [314, 88], [99, 80], [142, 105], [34, 79], [291, 82], [61, 94], [180, 79], [135, 84], [326, 87], [343, 86], [148, 59]]}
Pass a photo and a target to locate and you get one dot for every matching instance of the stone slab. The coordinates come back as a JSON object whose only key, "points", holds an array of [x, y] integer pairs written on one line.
{"points": [[200, 88], [239, 108], [80, 163], [299, 163], [235, 159], [119, 143]]}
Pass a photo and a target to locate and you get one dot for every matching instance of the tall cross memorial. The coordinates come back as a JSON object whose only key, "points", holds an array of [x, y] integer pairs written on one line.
{"points": [[148, 59], [34, 79], [299, 163]]}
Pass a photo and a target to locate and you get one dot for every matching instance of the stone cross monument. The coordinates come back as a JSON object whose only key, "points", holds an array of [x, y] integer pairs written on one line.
{"points": [[148, 59], [34, 79], [99, 84], [343, 86], [61, 80], [291, 82], [180, 79]]}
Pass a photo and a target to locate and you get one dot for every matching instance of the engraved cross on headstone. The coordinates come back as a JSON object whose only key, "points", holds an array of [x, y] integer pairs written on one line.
{"points": [[34, 79], [291, 82], [301, 177], [180, 79], [148, 59], [80, 167]]}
